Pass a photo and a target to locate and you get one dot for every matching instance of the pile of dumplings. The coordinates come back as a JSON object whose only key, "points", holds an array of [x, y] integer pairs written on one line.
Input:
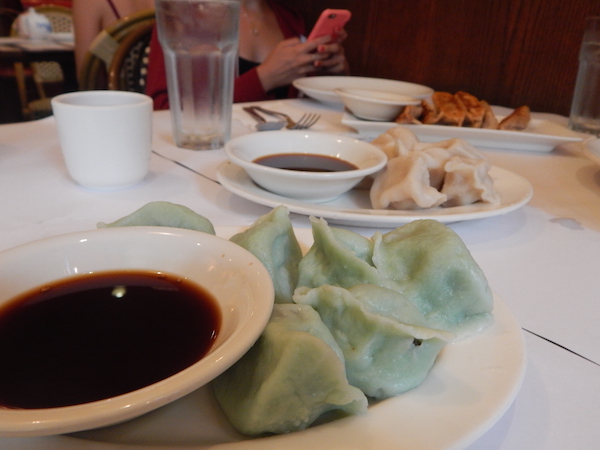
{"points": [[354, 319], [422, 175]]}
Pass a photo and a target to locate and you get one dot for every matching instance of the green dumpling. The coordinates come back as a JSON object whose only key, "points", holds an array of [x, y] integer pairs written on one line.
{"points": [[424, 260], [272, 240], [164, 214], [291, 376], [429, 264], [384, 356], [337, 257]]}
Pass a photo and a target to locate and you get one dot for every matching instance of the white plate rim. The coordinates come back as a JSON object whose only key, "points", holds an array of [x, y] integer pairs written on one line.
{"points": [[236, 180], [479, 137], [310, 86], [498, 358]]}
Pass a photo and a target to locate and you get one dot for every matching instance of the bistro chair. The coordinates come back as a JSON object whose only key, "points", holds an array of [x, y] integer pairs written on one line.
{"points": [[129, 66], [95, 69]]}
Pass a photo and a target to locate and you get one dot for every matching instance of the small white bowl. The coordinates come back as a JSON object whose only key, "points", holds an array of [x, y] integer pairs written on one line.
{"points": [[372, 104], [236, 279], [305, 185]]}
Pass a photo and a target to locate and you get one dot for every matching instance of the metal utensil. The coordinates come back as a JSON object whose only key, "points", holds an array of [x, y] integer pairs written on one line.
{"points": [[262, 124], [306, 121]]}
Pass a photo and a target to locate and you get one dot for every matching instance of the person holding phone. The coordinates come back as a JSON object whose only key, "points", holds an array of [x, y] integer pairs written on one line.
{"points": [[272, 53]]}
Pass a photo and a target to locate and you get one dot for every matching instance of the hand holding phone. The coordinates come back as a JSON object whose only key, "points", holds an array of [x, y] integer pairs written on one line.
{"points": [[329, 22]]}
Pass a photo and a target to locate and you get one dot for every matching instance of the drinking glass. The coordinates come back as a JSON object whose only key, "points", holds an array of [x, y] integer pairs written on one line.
{"points": [[200, 41], [585, 109]]}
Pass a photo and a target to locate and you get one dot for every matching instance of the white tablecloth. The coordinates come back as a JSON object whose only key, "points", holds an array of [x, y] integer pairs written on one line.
{"points": [[542, 259]]}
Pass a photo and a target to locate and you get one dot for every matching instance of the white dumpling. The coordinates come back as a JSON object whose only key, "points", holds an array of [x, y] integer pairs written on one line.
{"points": [[292, 375], [405, 184], [396, 141], [455, 146], [468, 181], [437, 172]]}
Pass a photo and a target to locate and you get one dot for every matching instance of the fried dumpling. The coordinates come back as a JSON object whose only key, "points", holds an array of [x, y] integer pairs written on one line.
{"points": [[164, 214], [272, 240], [292, 375], [474, 110], [468, 181], [446, 110], [384, 355], [518, 120], [490, 120], [410, 114]]}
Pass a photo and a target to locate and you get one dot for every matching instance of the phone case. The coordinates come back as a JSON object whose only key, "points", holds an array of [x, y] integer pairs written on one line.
{"points": [[329, 21]]}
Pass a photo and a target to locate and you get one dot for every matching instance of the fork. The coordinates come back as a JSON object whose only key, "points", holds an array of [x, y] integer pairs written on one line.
{"points": [[306, 121], [262, 124]]}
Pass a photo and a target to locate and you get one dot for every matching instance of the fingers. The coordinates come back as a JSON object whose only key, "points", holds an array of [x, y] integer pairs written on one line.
{"points": [[329, 56]]}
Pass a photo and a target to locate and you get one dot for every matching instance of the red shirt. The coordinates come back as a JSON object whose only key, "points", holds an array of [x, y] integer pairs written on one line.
{"points": [[247, 86]]}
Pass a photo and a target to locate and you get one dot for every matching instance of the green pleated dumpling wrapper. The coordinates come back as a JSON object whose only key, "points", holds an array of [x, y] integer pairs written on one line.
{"points": [[429, 263], [164, 214], [424, 260], [383, 356], [337, 257], [272, 240], [289, 378]]}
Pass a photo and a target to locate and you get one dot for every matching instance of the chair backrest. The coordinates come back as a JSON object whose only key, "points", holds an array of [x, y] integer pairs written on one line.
{"points": [[94, 73], [129, 66], [60, 17]]}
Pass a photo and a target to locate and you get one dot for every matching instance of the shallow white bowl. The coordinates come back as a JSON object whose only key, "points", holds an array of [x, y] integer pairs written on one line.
{"points": [[305, 185], [237, 280], [321, 88], [372, 104]]}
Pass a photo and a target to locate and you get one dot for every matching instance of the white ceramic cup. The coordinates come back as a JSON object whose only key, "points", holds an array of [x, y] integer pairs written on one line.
{"points": [[105, 137]]}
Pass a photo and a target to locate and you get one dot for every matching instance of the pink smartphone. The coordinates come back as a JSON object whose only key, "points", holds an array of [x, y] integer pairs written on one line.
{"points": [[329, 21]]}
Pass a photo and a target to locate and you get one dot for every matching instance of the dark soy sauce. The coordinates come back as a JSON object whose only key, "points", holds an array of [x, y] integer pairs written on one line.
{"points": [[95, 336], [306, 162]]}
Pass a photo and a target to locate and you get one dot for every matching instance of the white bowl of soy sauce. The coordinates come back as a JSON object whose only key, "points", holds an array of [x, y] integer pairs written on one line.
{"points": [[102, 326], [305, 165]]}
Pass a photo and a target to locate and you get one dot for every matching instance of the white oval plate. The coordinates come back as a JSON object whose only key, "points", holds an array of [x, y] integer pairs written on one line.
{"points": [[354, 207], [540, 136], [321, 88], [471, 385]]}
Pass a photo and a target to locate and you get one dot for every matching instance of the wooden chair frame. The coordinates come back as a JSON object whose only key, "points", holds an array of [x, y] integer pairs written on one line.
{"points": [[117, 75], [94, 73]]}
